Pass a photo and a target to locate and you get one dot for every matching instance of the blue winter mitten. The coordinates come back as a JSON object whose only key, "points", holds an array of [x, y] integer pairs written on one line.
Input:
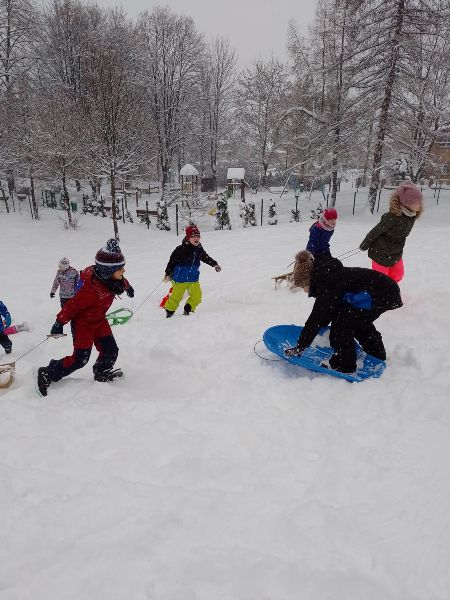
{"points": [[294, 352], [130, 291], [57, 329]]}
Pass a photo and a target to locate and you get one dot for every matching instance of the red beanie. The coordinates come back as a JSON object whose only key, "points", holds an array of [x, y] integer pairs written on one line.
{"points": [[192, 230], [330, 214]]}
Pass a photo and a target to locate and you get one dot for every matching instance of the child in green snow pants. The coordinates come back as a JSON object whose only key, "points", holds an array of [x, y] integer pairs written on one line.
{"points": [[178, 290]]}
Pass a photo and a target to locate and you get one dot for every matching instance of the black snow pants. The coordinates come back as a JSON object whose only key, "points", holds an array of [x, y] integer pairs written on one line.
{"points": [[352, 324]]}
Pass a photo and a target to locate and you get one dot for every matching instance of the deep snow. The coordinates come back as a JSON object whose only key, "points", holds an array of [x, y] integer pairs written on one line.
{"points": [[208, 473]]}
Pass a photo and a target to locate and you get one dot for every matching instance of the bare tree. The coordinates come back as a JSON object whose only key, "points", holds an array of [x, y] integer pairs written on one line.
{"points": [[387, 33], [113, 108], [16, 30], [217, 88], [260, 101], [172, 56]]}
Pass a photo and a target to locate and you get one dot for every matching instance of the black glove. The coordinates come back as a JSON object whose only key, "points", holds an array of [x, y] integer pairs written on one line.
{"points": [[294, 352], [52, 295], [130, 292], [57, 329]]}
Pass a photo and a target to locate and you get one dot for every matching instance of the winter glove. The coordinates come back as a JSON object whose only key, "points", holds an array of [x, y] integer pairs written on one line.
{"points": [[57, 329], [218, 268], [294, 352], [130, 291], [167, 278], [52, 295]]}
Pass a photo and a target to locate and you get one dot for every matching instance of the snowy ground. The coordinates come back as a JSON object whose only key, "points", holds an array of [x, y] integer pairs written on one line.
{"points": [[208, 473]]}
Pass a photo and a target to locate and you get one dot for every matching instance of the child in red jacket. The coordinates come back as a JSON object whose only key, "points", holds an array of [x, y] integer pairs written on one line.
{"points": [[100, 284]]}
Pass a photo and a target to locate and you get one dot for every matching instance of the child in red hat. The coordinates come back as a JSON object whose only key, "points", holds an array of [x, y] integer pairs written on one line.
{"points": [[321, 231], [183, 269], [385, 242]]}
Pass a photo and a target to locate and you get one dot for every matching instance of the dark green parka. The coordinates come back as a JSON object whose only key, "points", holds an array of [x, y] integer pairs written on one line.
{"points": [[385, 242]]}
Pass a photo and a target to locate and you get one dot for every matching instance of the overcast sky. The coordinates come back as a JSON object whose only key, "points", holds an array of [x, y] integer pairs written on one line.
{"points": [[255, 28]]}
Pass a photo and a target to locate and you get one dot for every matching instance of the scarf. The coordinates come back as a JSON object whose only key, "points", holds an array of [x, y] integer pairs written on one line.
{"points": [[407, 212], [326, 224], [116, 286]]}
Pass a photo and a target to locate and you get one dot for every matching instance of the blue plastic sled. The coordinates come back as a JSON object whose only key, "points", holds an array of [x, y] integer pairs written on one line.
{"points": [[280, 337]]}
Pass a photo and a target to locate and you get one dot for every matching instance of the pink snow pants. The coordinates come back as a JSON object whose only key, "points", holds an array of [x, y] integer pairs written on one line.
{"points": [[395, 272], [10, 330]]}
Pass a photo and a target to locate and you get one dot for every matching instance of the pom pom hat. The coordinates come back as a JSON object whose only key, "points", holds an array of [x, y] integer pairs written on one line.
{"points": [[109, 259], [192, 230], [410, 195], [64, 264]]}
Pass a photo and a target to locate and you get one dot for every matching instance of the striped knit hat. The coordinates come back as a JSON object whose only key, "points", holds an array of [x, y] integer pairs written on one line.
{"points": [[109, 259]]}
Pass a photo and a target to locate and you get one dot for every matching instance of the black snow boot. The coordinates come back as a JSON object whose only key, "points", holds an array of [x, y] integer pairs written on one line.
{"points": [[43, 380], [169, 313], [8, 350], [108, 375], [187, 309]]}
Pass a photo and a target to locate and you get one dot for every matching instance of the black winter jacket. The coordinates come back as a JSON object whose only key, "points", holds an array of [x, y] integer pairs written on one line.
{"points": [[331, 281]]}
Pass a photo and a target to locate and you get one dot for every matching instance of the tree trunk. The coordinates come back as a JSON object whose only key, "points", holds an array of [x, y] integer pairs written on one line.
{"points": [[264, 177], [113, 206], [66, 199], [385, 106], [366, 160], [33, 198]]}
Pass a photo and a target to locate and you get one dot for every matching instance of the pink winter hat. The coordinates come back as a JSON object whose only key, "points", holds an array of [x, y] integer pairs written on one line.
{"points": [[410, 195]]}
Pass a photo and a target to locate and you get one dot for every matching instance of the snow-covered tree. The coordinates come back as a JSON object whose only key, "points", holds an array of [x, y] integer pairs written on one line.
{"points": [[113, 105], [272, 218], [248, 214], [172, 53], [260, 97], [217, 82], [222, 215], [162, 221]]}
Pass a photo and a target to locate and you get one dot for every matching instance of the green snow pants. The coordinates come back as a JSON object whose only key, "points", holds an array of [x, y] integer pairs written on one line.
{"points": [[178, 289]]}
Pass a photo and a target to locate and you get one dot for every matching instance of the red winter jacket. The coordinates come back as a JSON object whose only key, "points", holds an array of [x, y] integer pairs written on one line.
{"points": [[91, 302]]}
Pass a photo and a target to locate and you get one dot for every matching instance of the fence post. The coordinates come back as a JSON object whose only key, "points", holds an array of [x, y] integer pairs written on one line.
{"points": [[262, 209], [6, 200], [137, 198], [123, 212], [379, 195], [437, 199], [176, 217], [328, 195], [31, 207], [354, 201], [147, 218]]}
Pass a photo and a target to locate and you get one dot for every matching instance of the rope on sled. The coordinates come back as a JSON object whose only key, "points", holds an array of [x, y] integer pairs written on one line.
{"points": [[30, 350], [264, 357], [343, 256], [145, 299]]}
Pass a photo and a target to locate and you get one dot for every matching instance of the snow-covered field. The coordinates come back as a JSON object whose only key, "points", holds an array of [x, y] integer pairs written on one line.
{"points": [[207, 473]]}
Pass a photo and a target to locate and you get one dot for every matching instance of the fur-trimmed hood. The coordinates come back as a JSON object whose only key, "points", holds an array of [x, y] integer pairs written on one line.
{"points": [[396, 208]]}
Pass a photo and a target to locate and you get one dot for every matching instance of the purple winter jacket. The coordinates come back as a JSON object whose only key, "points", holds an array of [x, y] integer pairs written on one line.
{"points": [[66, 280]]}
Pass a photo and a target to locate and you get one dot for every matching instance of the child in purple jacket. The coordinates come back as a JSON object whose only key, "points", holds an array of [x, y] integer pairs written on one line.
{"points": [[66, 279]]}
